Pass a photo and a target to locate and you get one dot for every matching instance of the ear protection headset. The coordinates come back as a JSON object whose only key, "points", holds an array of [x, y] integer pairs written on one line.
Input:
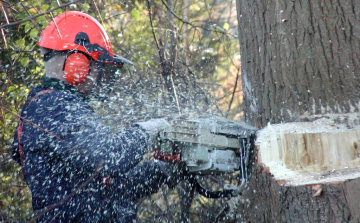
{"points": [[76, 68]]}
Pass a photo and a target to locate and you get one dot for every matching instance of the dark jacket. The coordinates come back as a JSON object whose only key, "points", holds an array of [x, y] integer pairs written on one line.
{"points": [[77, 169]]}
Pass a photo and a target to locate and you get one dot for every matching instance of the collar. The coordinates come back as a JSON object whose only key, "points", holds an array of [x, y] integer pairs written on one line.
{"points": [[53, 83]]}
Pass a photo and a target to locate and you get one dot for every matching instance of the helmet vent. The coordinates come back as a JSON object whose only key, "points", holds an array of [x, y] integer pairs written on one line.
{"points": [[82, 39]]}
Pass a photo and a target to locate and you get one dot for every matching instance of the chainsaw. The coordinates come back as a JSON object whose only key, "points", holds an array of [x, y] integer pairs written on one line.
{"points": [[209, 146]]}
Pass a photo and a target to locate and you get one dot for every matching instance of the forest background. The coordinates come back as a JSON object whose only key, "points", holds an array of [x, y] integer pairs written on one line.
{"points": [[187, 64]]}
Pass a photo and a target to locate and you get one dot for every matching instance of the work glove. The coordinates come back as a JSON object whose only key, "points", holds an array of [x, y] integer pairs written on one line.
{"points": [[173, 172], [153, 127]]}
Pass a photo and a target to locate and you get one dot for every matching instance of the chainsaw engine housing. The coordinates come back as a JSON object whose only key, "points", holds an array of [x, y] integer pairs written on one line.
{"points": [[208, 145]]}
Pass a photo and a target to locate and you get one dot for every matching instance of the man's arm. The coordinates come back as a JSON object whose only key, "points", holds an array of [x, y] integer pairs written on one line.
{"points": [[75, 135]]}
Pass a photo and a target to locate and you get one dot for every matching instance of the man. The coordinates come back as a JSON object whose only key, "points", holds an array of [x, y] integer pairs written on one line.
{"points": [[78, 170]]}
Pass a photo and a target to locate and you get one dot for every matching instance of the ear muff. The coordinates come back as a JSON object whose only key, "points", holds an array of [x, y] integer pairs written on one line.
{"points": [[76, 68]]}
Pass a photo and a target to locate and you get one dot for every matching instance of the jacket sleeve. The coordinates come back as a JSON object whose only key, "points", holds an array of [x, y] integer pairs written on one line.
{"points": [[73, 133]]}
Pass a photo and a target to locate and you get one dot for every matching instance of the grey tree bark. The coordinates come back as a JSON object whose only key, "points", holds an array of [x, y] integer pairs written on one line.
{"points": [[299, 58]]}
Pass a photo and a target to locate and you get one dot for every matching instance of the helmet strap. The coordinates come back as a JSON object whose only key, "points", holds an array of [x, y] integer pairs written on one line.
{"points": [[100, 65], [51, 54]]}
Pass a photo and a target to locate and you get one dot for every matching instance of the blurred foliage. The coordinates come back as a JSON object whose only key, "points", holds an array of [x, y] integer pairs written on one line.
{"points": [[187, 63]]}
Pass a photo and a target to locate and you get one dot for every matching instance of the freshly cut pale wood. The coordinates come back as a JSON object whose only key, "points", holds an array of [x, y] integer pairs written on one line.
{"points": [[305, 153]]}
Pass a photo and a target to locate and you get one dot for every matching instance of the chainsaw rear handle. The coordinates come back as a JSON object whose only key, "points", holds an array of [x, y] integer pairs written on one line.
{"points": [[175, 158], [168, 158], [212, 194], [198, 188]]}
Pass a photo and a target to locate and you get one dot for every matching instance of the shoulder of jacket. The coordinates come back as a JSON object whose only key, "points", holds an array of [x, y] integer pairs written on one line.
{"points": [[62, 95]]}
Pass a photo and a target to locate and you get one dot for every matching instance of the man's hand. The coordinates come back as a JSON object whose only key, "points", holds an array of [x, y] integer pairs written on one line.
{"points": [[153, 127]]}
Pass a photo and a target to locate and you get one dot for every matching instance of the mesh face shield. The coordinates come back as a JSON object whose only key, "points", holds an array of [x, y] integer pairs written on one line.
{"points": [[107, 77]]}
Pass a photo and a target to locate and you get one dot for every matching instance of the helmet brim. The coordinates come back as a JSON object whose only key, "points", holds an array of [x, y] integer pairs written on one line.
{"points": [[114, 60]]}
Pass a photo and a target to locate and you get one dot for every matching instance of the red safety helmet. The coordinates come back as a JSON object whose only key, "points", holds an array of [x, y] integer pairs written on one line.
{"points": [[77, 31]]}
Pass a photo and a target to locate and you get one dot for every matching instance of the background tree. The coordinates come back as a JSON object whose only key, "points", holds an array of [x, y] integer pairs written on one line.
{"points": [[187, 64], [299, 60]]}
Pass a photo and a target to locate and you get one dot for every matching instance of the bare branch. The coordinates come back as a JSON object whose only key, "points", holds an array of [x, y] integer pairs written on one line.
{"points": [[152, 29], [57, 28], [176, 97], [38, 15], [98, 12], [4, 38], [189, 23], [234, 90], [172, 12], [32, 20], [2, 30], [228, 54]]}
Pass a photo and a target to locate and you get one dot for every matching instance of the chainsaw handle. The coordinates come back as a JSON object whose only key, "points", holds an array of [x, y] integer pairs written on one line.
{"points": [[167, 158], [210, 194], [201, 190]]}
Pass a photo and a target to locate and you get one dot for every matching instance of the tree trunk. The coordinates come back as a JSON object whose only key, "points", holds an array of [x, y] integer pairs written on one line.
{"points": [[300, 60]]}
